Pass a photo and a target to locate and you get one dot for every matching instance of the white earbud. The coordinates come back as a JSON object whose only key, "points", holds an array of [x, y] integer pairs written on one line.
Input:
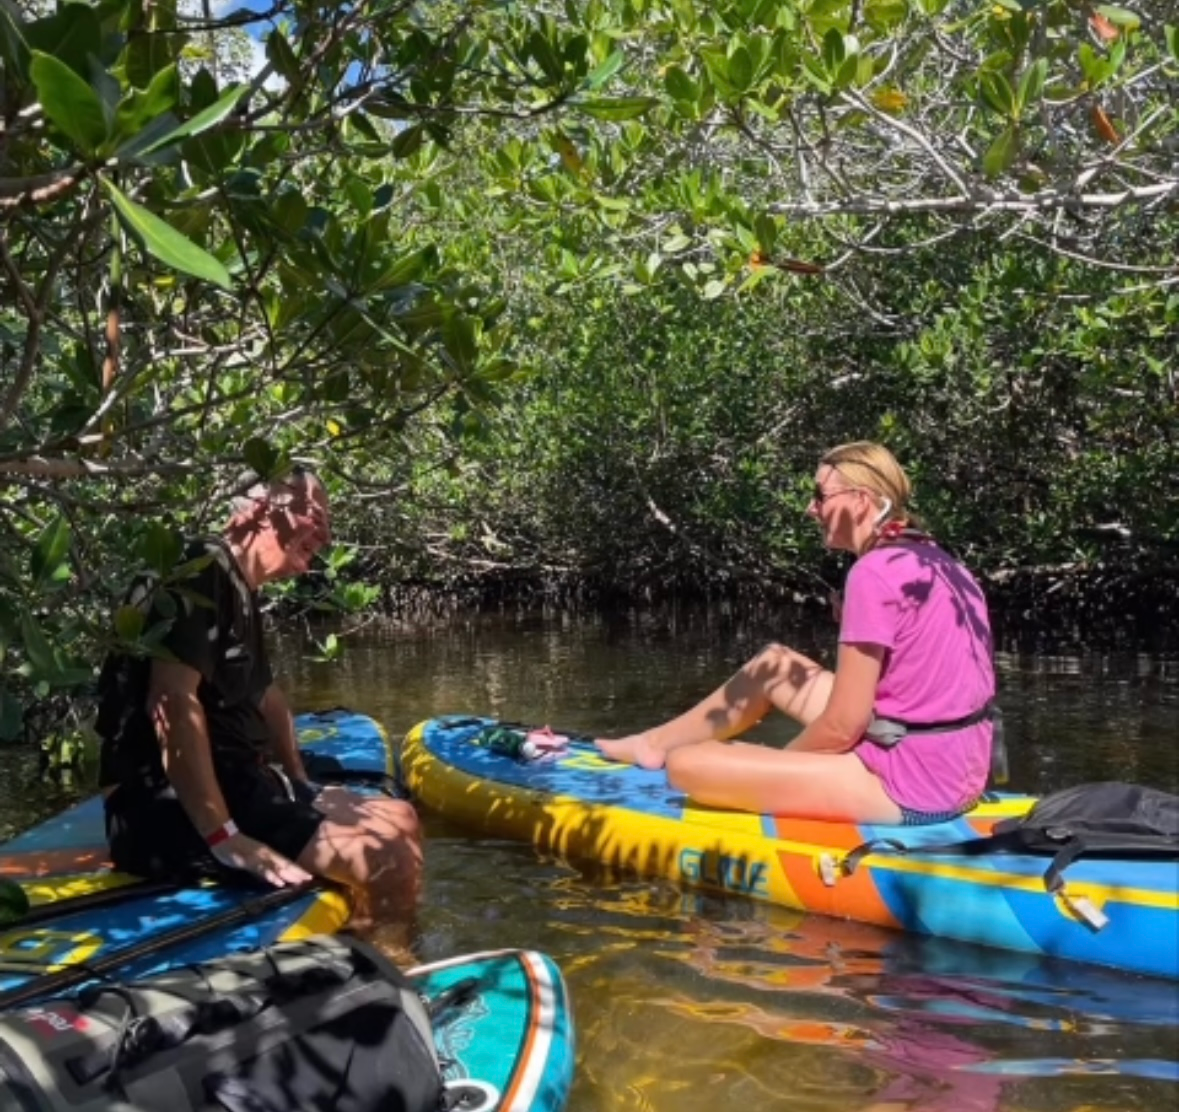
{"points": [[882, 517]]}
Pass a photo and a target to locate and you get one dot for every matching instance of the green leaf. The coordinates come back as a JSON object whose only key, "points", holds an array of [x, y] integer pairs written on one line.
{"points": [[1031, 85], [834, 52], [461, 339], [605, 71], [288, 210], [71, 35], [129, 622], [408, 141], [1172, 34], [147, 54], [189, 568], [884, 15], [546, 57], [203, 120], [716, 62], [261, 456], [617, 108], [138, 109], [281, 53], [1093, 65], [1001, 153], [391, 106], [714, 289], [1120, 17], [404, 270], [50, 550], [767, 232], [679, 85], [163, 241], [741, 69], [69, 102], [997, 92], [363, 126], [37, 647]]}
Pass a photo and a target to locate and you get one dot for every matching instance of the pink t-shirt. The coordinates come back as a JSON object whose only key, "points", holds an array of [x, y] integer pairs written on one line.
{"points": [[928, 611]]}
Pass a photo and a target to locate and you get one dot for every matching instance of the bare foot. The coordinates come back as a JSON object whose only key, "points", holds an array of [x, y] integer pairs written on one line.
{"points": [[638, 749]]}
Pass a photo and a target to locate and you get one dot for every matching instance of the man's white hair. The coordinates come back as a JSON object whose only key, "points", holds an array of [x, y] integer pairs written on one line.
{"points": [[251, 489]]}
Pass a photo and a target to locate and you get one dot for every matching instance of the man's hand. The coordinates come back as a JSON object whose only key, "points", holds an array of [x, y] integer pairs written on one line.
{"points": [[243, 852]]}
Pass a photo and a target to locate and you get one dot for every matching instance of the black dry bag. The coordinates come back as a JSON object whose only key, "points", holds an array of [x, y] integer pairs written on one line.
{"points": [[325, 1023], [1106, 819]]}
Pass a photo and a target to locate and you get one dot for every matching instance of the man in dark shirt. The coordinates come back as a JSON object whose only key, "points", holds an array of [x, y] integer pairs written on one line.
{"points": [[188, 733]]}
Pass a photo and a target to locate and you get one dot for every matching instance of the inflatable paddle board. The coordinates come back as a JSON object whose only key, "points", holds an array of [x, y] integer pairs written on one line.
{"points": [[1114, 912]]}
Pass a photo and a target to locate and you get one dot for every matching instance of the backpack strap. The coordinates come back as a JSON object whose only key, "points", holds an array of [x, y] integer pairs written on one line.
{"points": [[967, 847], [1065, 856]]}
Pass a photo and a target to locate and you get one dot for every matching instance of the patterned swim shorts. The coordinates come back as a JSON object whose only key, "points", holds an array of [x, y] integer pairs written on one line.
{"points": [[928, 818]]}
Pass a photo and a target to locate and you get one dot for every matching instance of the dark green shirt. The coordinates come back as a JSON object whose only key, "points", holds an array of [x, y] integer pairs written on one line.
{"points": [[215, 628]]}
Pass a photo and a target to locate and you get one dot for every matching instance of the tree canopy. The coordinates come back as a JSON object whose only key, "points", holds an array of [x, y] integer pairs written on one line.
{"points": [[358, 251]]}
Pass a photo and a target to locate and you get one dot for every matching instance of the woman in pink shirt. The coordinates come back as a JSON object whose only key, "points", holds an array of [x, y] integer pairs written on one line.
{"points": [[901, 731]]}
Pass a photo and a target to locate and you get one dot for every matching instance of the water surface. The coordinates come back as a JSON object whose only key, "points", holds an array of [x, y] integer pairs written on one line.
{"points": [[687, 1002]]}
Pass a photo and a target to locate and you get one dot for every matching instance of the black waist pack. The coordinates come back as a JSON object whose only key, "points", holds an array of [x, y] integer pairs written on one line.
{"points": [[325, 1023]]}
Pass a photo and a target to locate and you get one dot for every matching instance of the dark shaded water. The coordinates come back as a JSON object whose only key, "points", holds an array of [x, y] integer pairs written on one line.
{"points": [[687, 1002]]}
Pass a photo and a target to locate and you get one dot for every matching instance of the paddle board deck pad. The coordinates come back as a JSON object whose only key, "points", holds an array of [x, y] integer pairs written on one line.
{"points": [[66, 857], [1119, 913], [506, 1031]]}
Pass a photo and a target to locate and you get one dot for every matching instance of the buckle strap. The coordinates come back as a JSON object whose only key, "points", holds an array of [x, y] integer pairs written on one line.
{"points": [[887, 732]]}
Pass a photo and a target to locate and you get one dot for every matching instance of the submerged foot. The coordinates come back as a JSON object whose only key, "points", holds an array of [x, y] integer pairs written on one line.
{"points": [[636, 750]]}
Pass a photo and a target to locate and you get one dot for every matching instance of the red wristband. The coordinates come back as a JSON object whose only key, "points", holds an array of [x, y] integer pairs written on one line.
{"points": [[222, 834]]}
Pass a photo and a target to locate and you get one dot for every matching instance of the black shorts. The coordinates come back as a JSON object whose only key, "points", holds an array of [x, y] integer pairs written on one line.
{"points": [[152, 836]]}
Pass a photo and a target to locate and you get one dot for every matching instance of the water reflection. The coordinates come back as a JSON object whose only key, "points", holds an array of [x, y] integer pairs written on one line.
{"points": [[689, 1001]]}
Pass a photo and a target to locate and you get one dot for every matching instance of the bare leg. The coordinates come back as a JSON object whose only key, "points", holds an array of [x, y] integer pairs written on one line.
{"points": [[776, 677], [836, 787], [373, 845]]}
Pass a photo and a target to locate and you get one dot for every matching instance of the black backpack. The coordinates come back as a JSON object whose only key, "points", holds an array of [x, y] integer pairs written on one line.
{"points": [[1108, 819], [322, 1024]]}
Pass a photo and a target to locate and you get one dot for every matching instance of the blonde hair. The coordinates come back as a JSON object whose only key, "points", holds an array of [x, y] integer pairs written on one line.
{"points": [[872, 467]]}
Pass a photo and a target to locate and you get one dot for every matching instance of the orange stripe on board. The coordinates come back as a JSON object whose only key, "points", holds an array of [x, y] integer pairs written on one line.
{"points": [[53, 862], [983, 826], [854, 897], [821, 835], [529, 1038]]}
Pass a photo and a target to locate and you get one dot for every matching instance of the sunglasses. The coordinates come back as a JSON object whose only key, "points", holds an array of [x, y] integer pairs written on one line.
{"points": [[819, 496]]}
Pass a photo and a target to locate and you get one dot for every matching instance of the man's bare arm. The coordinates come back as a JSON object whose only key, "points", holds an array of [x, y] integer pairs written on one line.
{"points": [[281, 726], [183, 734]]}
